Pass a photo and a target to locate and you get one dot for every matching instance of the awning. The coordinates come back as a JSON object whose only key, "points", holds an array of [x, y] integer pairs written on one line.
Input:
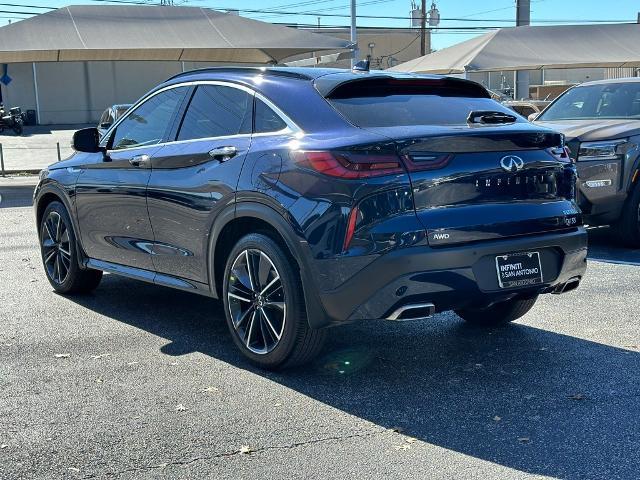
{"points": [[533, 48], [140, 32]]}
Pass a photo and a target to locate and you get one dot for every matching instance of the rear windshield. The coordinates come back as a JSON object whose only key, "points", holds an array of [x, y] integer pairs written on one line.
{"points": [[404, 110], [608, 100]]}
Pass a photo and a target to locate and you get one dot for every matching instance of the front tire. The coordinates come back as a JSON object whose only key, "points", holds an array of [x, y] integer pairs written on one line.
{"points": [[264, 305], [628, 227], [18, 128], [60, 255], [498, 314]]}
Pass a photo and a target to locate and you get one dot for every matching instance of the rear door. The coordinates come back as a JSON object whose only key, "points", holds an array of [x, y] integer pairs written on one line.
{"points": [[195, 176]]}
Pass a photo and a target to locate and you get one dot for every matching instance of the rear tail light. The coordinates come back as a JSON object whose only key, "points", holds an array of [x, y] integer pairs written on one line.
{"points": [[562, 153], [350, 165], [351, 228]]}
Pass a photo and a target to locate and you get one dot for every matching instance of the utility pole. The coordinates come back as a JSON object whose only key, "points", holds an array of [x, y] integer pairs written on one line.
{"points": [[423, 28], [523, 17], [354, 34]]}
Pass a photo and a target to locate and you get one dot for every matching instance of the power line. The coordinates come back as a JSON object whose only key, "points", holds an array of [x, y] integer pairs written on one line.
{"points": [[27, 6]]}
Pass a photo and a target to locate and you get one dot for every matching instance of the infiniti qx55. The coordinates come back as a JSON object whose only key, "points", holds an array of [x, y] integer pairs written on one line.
{"points": [[309, 198]]}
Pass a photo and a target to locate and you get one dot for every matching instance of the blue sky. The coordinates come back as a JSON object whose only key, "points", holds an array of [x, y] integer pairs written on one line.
{"points": [[484, 13]]}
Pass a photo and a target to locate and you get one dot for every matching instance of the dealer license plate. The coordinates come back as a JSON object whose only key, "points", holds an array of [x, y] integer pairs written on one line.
{"points": [[519, 269]]}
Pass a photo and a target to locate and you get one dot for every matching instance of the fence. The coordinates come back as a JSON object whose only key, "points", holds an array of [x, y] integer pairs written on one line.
{"points": [[30, 158]]}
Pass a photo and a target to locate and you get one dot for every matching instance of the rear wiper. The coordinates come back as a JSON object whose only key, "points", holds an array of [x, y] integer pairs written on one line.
{"points": [[490, 117]]}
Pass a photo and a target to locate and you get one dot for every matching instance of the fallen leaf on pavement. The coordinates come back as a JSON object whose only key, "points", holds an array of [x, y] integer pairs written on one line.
{"points": [[524, 439], [397, 429], [3, 446], [402, 447], [102, 355], [73, 469], [577, 396], [180, 408], [497, 418], [62, 355], [210, 390], [245, 450]]}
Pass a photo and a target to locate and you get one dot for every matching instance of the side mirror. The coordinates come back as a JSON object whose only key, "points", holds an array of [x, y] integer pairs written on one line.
{"points": [[105, 125], [533, 116], [87, 140]]}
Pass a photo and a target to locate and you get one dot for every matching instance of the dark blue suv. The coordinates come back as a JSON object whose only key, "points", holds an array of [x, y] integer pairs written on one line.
{"points": [[307, 198]]}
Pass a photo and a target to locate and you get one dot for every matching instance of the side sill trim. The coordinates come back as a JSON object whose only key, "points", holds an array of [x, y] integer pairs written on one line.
{"points": [[150, 277]]}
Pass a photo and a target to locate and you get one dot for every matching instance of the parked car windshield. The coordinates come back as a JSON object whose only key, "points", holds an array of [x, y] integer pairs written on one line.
{"points": [[608, 100], [405, 110]]}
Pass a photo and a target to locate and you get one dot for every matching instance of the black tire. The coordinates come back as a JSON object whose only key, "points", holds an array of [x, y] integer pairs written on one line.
{"points": [[498, 314], [18, 128], [58, 245], [627, 229], [297, 343]]}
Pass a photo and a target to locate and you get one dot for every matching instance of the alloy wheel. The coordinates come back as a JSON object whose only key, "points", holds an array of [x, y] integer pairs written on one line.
{"points": [[56, 247], [256, 300]]}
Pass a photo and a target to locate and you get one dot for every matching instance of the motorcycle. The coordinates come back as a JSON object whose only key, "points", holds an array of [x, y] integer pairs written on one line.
{"points": [[14, 120]]}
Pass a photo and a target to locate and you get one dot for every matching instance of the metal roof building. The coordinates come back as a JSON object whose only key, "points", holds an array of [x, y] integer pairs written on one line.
{"points": [[71, 63]]}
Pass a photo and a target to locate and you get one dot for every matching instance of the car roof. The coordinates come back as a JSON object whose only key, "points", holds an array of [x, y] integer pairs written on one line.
{"points": [[302, 73], [609, 81], [324, 79]]}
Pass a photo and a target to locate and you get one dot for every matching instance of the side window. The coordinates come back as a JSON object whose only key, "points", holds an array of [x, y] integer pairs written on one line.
{"points": [[266, 120], [148, 124], [216, 111]]}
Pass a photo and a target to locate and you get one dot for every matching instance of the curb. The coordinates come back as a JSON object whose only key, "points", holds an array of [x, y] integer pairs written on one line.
{"points": [[4, 173]]}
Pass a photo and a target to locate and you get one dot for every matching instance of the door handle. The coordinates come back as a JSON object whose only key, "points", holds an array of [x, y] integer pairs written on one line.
{"points": [[223, 153], [140, 160]]}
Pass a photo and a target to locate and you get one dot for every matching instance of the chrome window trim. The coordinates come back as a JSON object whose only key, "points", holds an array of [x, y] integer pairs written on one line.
{"points": [[292, 128]]}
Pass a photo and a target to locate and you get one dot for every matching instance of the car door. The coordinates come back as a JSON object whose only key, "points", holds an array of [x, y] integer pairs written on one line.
{"points": [[111, 198], [195, 177]]}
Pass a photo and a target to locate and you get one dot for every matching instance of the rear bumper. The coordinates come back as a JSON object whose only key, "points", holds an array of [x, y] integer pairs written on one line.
{"points": [[451, 277]]}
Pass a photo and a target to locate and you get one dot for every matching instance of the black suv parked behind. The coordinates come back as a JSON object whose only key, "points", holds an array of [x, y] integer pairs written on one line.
{"points": [[305, 198]]}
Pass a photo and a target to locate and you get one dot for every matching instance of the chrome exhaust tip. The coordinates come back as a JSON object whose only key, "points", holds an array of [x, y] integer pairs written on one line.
{"points": [[414, 311], [569, 285]]}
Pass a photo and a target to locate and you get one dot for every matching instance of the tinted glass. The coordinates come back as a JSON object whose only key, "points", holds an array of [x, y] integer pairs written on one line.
{"points": [[148, 124], [610, 100], [266, 120], [217, 111], [404, 110]]}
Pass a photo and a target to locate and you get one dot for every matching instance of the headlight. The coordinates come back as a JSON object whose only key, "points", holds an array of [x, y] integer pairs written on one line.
{"points": [[605, 150]]}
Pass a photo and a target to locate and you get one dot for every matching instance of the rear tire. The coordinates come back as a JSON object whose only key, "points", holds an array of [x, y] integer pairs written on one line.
{"points": [[18, 128], [60, 255], [498, 314], [628, 227], [264, 305]]}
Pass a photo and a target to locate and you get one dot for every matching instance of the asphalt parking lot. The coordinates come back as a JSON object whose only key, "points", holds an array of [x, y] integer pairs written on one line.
{"points": [[138, 381]]}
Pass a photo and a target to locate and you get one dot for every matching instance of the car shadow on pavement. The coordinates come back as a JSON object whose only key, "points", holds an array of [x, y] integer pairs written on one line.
{"points": [[522, 397], [604, 247]]}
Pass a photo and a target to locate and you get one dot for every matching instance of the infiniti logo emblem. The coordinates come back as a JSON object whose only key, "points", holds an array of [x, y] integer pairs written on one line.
{"points": [[511, 163]]}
